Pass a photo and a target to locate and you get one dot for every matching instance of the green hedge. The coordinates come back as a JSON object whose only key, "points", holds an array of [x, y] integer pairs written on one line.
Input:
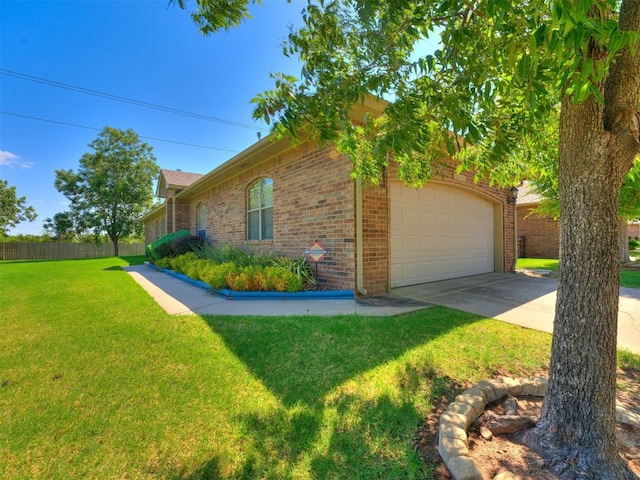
{"points": [[162, 247]]}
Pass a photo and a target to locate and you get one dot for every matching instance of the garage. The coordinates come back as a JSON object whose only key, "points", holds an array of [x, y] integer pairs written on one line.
{"points": [[439, 232]]}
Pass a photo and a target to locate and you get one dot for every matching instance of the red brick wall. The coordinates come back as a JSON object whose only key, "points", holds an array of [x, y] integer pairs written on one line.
{"points": [[541, 235], [183, 215], [633, 230], [313, 199], [150, 226], [376, 236]]}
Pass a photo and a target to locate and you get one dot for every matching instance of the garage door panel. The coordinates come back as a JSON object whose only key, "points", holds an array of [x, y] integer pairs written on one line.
{"points": [[439, 232]]}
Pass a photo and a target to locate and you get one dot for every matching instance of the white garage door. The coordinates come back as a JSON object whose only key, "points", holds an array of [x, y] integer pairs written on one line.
{"points": [[439, 232]]}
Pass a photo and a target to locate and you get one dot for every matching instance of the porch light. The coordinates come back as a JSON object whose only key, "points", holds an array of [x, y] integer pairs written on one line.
{"points": [[514, 193]]}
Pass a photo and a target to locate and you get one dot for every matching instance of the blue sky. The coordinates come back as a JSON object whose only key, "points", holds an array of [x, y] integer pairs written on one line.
{"points": [[140, 50]]}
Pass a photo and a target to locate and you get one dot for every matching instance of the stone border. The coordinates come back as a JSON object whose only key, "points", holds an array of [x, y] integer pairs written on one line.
{"points": [[453, 442]]}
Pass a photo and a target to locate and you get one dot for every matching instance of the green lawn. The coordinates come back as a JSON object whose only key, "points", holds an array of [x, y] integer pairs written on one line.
{"points": [[628, 278], [98, 382]]}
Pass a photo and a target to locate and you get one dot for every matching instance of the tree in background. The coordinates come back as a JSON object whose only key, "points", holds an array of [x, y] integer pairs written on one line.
{"points": [[501, 68], [13, 209], [113, 185], [60, 226]]}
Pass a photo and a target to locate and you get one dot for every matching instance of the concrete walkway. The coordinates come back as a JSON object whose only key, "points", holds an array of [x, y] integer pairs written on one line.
{"points": [[520, 299], [515, 298]]}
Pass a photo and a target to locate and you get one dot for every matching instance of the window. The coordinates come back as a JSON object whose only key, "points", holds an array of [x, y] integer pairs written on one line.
{"points": [[260, 210], [201, 224]]}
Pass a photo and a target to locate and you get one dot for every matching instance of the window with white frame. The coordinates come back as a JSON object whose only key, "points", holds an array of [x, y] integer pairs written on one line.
{"points": [[260, 210], [201, 224]]}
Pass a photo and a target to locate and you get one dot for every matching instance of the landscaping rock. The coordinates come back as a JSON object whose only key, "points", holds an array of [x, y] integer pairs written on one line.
{"points": [[505, 476], [463, 468], [536, 386]]}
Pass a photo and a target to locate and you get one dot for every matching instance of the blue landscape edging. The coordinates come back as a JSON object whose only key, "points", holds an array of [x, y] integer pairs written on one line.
{"points": [[233, 295]]}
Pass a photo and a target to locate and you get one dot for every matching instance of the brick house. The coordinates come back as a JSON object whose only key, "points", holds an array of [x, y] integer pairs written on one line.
{"points": [[538, 235], [277, 197]]}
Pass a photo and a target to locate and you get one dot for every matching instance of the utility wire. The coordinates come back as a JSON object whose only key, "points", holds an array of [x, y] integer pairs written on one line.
{"points": [[87, 91], [99, 129]]}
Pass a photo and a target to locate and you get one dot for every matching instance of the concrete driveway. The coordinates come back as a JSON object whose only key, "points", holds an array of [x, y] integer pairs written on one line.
{"points": [[521, 299]]}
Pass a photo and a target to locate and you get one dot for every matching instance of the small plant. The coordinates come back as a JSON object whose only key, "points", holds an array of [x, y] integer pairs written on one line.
{"points": [[217, 278], [163, 262], [299, 267], [634, 244], [181, 264]]}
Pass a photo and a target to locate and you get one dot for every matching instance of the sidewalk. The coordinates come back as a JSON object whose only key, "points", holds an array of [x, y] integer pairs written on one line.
{"points": [[179, 298]]}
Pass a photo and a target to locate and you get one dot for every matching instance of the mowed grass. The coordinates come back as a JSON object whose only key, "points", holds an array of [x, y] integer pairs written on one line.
{"points": [[98, 382], [628, 278]]}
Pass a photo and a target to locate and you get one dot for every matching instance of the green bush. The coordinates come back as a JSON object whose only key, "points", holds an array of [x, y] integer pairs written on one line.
{"points": [[300, 267], [217, 278], [633, 243], [189, 243], [162, 247], [181, 264], [163, 262]]}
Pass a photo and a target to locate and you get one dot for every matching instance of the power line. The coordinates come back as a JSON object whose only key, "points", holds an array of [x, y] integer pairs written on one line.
{"points": [[99, 129], [95, 93], [137, 57]]}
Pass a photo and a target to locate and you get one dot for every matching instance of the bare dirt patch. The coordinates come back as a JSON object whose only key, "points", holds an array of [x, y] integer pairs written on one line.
{"points": [[504, 453]]}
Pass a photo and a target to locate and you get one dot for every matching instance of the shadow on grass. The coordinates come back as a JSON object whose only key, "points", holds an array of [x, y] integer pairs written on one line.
{"points": [[327, 426], [301, 359]]}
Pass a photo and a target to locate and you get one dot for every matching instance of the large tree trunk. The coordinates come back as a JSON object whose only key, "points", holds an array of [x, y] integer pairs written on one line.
{"points": [[598, 144], [576, 432]]}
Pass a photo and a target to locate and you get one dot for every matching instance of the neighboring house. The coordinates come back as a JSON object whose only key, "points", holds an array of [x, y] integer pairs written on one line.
{"points": [[538, 235], [276, 197]]}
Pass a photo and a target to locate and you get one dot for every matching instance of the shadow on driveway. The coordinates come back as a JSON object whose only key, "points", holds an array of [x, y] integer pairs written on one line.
{"points": [[520, 299]]}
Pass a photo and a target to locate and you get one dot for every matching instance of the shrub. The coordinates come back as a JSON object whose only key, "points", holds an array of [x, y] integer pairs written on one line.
{"points": [[217, 278], [163, 262], [300, 267], [181, 264], [189, 243], [275, 279], [238, 281], [633, 243], [162, 247]]}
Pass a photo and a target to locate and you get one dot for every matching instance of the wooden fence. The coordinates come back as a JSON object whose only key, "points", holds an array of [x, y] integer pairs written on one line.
{"points": [[65, 251]]}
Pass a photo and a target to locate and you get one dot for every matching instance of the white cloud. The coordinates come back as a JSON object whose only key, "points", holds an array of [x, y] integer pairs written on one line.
{"points": [[8, 159]]}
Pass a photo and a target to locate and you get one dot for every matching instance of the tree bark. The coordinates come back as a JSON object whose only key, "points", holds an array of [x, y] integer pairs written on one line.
{"points": [[576, 432], [598, 144]]}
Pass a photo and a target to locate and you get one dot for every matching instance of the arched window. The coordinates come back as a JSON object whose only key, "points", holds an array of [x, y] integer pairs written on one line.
{"points": [[201, 220], [260, 210]]}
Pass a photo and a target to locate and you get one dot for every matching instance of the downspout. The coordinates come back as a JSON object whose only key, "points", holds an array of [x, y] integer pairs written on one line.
{"points": [[359, 241]]}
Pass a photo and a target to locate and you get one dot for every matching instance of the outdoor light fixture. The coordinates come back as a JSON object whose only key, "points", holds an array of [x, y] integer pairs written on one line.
{"points": [[514, 194]]}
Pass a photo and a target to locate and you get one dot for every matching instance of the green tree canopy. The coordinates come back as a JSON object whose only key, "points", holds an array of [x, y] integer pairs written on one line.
{"points": [[60, 226], [113, 185], [501, 69], [13, 209]]}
